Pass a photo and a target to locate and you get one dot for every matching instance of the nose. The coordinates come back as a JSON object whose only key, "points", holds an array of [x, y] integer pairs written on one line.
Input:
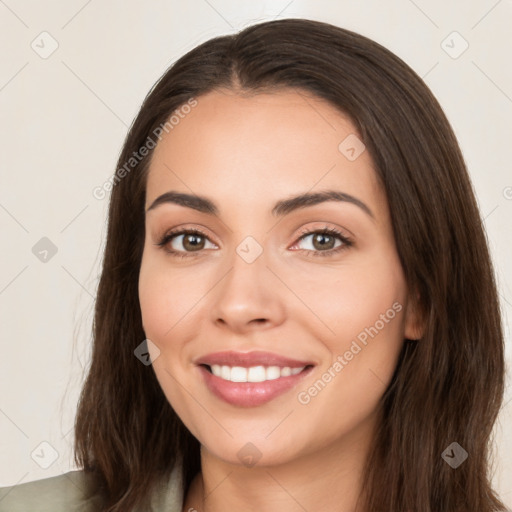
{"points": [[248, 297]]}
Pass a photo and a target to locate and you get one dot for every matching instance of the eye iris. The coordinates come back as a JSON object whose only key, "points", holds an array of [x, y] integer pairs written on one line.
{"points": [[320, 238], [190, 241]]}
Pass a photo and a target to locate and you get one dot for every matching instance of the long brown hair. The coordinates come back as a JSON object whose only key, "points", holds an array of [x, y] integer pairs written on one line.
{"points": [[447, 387]]}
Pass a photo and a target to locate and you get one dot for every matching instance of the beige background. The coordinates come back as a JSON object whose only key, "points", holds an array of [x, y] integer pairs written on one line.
{"points": [[64, 116]]}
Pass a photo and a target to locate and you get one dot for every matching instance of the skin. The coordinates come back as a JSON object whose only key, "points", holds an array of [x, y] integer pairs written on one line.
{"points": [[245, 153]]}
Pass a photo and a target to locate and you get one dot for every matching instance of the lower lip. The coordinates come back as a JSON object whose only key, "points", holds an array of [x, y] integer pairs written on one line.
{"points": [[250, 394]]}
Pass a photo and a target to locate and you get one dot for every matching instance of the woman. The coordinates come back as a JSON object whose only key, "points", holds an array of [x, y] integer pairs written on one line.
{"points": [[295, 246]]}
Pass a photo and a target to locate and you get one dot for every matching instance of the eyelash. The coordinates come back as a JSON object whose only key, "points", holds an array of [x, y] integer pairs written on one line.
{"points": [[347, 242]]}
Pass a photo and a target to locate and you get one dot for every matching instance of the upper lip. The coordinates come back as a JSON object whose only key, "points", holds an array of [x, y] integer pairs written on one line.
{"points": [[248, 359]]}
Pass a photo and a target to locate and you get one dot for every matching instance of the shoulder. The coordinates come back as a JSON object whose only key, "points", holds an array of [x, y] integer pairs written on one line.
{"points": [[70, 492], [75, 492]]}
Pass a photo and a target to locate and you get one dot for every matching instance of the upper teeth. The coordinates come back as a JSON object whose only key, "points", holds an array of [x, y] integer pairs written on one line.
{"points": [[253, 373]]}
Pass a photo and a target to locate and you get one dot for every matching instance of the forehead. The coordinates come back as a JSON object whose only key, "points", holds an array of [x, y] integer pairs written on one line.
{"points": [[260, 147]]}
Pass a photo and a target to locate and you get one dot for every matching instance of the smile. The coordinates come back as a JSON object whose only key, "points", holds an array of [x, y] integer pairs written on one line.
{"points": [[246, 393], [253, 373]]}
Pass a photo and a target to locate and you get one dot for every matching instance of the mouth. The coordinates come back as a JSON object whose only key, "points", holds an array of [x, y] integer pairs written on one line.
{"points": [[258, 373], [251, 386]]}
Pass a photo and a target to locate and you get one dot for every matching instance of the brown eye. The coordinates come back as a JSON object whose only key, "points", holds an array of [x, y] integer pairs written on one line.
{"points": [[193, 242], [185, 241], [324, 242]]}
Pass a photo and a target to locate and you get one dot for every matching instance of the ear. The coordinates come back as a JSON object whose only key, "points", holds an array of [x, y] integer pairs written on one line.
{"points": [[415, 322]]}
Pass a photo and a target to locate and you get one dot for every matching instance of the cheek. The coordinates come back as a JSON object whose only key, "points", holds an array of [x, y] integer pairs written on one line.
{"points": [[355, 299], [167, 298], [166, 303], [362, 366], [364, 311], [156, 304]]}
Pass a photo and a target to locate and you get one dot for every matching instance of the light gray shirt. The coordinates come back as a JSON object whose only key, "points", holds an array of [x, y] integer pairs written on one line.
{"points": [[67, 493]]}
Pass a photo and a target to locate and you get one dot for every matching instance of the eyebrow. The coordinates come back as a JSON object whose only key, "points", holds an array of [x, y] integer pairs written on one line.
{"points": [[281, 208]]}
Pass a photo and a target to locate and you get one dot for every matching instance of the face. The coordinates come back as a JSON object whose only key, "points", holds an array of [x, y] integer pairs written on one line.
{"points": [[278, 323]]}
